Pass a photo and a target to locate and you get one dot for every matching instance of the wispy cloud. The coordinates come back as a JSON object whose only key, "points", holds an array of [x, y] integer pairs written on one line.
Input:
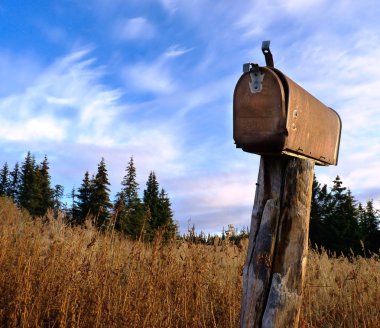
{"points": [[68, 90], [154, 76], [137, 28]]}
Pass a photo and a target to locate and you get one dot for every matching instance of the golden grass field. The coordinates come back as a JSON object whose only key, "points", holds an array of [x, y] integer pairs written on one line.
{"points": [[56, 276]]}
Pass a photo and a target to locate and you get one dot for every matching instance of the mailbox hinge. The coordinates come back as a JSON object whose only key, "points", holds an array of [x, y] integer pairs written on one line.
{"points": [[256, 83]]}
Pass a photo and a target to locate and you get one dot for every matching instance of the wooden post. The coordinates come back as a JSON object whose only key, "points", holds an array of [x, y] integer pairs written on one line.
{"points": [[278, 243]]}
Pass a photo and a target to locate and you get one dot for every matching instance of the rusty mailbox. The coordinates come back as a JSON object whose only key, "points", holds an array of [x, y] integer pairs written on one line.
{"points": [[274, 115]]}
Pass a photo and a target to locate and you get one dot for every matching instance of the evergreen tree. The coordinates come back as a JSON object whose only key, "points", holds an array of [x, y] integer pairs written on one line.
{"points": [[129, 211], [316, 214], [130, 185], [58, 193], [15, 183], [44, 192], [341, 221], [120, 213], [4, 181], [151, 201], [82, 206], [369, 227], [73, 213], [100, 200], [165, 216], [28, 185]]}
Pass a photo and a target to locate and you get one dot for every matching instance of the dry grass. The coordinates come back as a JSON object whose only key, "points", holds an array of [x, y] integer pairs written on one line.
{"points": [[52, 275]]}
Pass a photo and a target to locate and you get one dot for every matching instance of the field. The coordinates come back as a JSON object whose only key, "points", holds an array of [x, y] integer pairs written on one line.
{"points": [[53, 275]]}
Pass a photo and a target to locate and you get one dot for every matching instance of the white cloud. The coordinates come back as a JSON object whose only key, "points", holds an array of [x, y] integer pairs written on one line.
{"points": [[42, 128], [134, 28], [176, 51], [154, 76], [68, 90]]}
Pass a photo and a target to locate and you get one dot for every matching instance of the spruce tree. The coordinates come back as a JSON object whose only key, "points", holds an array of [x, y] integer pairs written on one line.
{"points": [[15, 183], [151, 201], [58, 193], [165, 216], [100, 200], [341, 221], [316, 215], [44, 192], [4, 181], [369, 227], [72, 213], [130, 185], [82, 206], [120, 213], [28, 185], [129, 211]]}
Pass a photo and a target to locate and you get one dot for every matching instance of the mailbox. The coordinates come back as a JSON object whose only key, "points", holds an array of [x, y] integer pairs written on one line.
{"points": [[274, 115]]}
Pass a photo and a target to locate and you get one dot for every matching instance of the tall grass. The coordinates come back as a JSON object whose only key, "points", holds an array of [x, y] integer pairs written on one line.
{"points": [[52, 275]]}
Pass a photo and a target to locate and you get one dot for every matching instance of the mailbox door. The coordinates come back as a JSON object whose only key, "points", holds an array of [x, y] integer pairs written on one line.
{"points": [[259, 117], [313, 128]]}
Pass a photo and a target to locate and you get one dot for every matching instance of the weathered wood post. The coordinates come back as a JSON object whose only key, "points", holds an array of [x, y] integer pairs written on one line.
{"points": [[291, 130]]}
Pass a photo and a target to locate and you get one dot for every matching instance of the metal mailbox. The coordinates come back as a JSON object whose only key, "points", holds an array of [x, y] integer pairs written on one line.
{"points": [[274, 115]]}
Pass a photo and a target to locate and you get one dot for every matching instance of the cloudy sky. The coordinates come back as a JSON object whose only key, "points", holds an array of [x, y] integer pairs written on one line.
{"points": [[82, 80]]}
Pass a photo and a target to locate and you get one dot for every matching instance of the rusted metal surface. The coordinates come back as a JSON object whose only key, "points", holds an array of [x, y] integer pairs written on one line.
{"points": [[283, 118]]}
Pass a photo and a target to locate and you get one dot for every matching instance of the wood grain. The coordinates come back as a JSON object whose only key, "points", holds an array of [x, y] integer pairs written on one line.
{"points": [[276, 260]]}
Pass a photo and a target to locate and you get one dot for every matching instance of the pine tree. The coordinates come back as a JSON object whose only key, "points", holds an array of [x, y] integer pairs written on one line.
{"points": [[4, 181], [369, 227], [58, 193], [100, 200], [44, 192], [120, 213], [165, 216], [15, 183], [151, 201], [129, 211], [73, 213], [82, 206], [341, 221], [28, 185], [316, 214], [130, 185]]}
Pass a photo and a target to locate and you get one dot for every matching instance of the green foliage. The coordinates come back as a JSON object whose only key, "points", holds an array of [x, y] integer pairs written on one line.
{"points": [[58, 193], [158, 203], [28, 186], [14, 184], [4, 181], [369, 226], [44, 192], [338, 224], [34, 193], [165, 218], [129, 212], [151, 196], [82, 207], [100, 198]]}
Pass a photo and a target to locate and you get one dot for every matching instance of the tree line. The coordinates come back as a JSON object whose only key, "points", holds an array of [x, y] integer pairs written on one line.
{"points": [[29, 185], [340, 224], [337, 221]]}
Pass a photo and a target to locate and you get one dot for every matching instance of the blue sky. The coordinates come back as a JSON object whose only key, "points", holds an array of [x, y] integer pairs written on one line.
{"points": [[81, 80]]}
